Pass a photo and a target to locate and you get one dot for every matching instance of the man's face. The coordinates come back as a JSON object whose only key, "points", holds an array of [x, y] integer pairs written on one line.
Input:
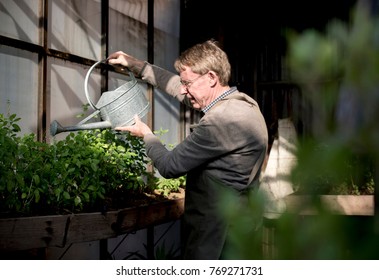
{"points": [[196, 87]]}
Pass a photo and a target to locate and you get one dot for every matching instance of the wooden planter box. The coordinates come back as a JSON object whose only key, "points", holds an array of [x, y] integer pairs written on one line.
{"points": [[59, 230]]}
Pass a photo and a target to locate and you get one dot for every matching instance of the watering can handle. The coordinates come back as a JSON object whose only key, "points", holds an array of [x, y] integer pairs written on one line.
{"points": [[86, 83]]}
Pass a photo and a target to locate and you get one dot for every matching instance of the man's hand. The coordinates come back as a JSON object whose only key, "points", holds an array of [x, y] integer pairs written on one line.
{"points": [[126, 60], [139, 128]]}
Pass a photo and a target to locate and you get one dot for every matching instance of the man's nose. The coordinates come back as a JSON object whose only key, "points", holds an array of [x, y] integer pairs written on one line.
{"points": [[183, 90]]}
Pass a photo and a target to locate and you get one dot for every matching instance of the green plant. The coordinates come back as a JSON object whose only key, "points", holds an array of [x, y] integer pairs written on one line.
{"points": [[75, 174], [167, 186], [89, 170], [339, 170], [163, 185]]}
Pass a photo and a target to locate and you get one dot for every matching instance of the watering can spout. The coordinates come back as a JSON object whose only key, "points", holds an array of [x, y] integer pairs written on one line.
{"points": [[56, 127]]}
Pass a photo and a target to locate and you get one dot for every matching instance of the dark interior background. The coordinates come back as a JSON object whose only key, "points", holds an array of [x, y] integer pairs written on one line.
{"points": [[252, 34]]}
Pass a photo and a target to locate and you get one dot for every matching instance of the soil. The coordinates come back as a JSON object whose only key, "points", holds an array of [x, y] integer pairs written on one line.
{"points": [[140, 199]]}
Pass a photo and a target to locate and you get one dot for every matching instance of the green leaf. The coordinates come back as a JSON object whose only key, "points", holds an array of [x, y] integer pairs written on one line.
{"points": [[94, 166], [36, 179], [36, 195], [121, 149], [66, 195], [86, 196], [77, 200]]}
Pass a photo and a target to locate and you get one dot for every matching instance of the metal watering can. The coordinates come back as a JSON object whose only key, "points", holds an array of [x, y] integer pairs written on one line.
{"points": [[116, 108]]}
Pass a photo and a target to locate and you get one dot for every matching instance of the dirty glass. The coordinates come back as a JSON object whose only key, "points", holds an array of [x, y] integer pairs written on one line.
{"points": [[67, 95], [19, 19], [19, 86], [75, 27]]}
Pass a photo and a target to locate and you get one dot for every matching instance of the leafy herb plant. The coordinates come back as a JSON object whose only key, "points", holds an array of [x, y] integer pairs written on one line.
{"points": [[75, 174]]}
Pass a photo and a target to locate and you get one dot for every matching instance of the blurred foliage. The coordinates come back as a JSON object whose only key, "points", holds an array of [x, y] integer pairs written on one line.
{"points": [[332, 168], [245, 216], [338, 73]]}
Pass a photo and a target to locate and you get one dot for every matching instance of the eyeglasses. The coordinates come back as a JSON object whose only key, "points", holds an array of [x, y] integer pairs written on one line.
{"points": [[187, 84]]}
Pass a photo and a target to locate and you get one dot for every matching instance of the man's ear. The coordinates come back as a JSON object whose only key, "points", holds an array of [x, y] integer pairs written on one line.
{"points": [[212, 78]]}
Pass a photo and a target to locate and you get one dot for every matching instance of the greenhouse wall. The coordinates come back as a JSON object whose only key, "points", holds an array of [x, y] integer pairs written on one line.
{"points": [[46, 50]]}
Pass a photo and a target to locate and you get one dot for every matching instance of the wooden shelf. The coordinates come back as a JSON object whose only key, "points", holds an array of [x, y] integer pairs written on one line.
{"points": [[59, 230]]}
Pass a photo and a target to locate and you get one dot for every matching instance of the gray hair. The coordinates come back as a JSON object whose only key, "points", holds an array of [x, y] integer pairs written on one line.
{"points": [[204, 57]]}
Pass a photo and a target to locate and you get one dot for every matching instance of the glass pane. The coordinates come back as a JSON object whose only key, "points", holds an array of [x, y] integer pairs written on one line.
{"points": [[75, 27], [67, 95], [166, 49], [128, 27], [166, 32], [19, 19], [128, 32], [19, 86]]}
